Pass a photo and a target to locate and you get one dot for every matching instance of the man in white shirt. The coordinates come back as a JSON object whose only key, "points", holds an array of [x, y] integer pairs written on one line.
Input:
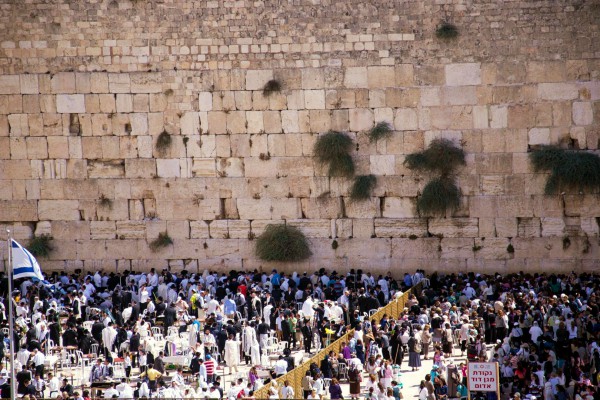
{"points": [[23, 356], [178, 377], [287, 392], [280, 367], [53, 385], [125, 389], [111, 391], [109, 335], [38, 361]]}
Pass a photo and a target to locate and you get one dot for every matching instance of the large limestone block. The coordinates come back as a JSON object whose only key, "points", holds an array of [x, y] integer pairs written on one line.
{"points": [[29, 84], [238, 229], [539, 136], [131, 229], [168, 168], [19, 210], [103, 230], [10, 84], [363, 209], [420, 248], [205, 100], [315, 228], [254, 208], [199, 230], [381, 76], [456, 248], [256, 79], [326, 207], [231, 167], [52, 210], [553, 226], [356, 77], [382, 165], [314, 99], [519, 206], [70, 103], [582, 113], [361, 119], [286, 208], [140, 168], [506, 227], [218, 229], [400, 227], [454, 227], [463, 74], [398, 207], [146, 82], [71, 230], [258, 226], [529, 227], [343, 228], [313, 78], [106, 168], [558, 91], [63, 82], [405, 119]]}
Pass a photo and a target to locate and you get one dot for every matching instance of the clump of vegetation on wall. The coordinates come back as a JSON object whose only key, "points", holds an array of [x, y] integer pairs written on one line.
{"points": [[441, 159], [439, 195], [281, 242], [570, 170], [380, 131], [333, 149], [271, 87], [105, 201], [40, 246], [163, 142], [163, 240], [362, 187], [446, 30]]}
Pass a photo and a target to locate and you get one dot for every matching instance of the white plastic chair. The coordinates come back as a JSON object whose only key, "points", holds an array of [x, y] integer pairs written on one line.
{"points": [[156, 330], [94, 349], [88, 325]]}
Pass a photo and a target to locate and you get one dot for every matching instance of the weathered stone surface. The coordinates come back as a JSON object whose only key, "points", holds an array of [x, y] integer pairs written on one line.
{"points": [[463, 74], [454, 227], [398, 207], [401, 227], [53, 210]]}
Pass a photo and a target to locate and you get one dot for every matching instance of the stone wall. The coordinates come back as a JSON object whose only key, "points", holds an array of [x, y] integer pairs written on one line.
{"points": [[86, 88]]}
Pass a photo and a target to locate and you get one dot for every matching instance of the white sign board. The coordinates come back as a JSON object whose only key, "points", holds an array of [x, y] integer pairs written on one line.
{"points": [[483, 377]]}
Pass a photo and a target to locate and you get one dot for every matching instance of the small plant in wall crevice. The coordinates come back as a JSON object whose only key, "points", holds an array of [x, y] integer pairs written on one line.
{"points": [[333, 149], [281, 242], [163, 142], [105, 201], [571, 171], [362, 187], [381, 130], [39, 246], [271, 87], [446, 30], [441, 159], [163, 240]]}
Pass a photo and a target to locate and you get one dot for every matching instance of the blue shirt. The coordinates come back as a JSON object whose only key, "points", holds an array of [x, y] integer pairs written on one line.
{"points": [[229, 307]]}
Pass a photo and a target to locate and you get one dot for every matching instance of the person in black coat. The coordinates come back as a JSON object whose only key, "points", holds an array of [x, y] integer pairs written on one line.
{"points": [[97, 328], [160, 307], [170, 317], [135, 312], [70, 337]]}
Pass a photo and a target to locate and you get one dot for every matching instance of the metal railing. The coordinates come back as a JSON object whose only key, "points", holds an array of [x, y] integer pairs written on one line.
{"points": [[294, 377]]}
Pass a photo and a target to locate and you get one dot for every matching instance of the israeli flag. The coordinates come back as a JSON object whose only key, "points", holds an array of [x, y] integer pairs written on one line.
{"points": [[24, 263]]}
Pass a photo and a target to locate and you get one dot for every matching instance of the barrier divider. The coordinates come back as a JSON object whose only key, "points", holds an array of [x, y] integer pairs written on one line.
{"points": [[294, 377]]}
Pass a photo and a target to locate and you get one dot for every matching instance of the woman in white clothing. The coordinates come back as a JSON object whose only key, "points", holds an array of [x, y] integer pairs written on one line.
{"points": [[423, 392]]}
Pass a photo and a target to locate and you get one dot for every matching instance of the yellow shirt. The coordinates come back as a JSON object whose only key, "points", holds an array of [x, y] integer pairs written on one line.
{"points": [[152, 374]]}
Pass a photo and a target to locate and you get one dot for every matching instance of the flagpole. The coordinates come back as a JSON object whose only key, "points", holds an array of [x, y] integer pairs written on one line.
{"points": [[11, 329]]}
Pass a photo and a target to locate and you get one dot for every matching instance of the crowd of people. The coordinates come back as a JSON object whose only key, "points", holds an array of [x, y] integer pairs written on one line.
{"points": [[541, 329]]}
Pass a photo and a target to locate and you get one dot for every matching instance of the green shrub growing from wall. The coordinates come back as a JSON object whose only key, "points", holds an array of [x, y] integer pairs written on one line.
{"points": [[570, 170], [281, 242], [333, 149]]}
